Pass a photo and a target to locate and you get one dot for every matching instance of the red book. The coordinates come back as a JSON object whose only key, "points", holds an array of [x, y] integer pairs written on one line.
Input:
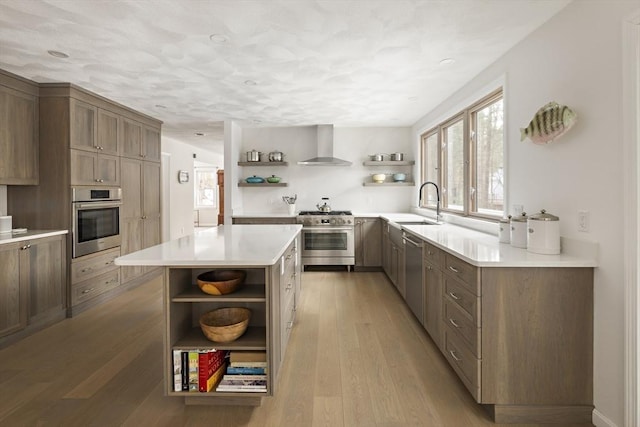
{"points": [[208, 363]]}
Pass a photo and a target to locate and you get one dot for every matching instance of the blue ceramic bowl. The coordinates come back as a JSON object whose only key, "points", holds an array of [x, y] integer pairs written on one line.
{"points": [[254, 180], [399, 177]]}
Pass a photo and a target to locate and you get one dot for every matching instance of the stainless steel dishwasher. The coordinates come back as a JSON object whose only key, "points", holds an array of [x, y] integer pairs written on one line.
{"points": [[414, 295]]}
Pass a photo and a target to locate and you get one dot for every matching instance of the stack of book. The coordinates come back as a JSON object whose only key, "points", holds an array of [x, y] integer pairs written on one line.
{"points": [[198, 370], [247, 372]]}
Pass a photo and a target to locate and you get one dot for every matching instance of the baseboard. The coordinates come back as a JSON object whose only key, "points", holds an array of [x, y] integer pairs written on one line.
{"points": [[599, 420]]}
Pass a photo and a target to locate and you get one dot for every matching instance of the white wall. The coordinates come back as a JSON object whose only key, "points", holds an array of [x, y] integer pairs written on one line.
{"points": [[342, 184], [574, 59], [181, 195]]}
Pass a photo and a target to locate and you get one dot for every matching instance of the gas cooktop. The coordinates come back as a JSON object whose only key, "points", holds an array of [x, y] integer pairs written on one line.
{"points": [[325, 213]]}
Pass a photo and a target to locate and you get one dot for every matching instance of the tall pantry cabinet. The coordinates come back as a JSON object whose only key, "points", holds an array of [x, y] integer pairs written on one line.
{"points": [[89, 141]]}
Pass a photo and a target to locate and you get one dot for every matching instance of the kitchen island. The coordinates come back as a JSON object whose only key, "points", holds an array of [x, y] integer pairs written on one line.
{"points": [[269, 255]]}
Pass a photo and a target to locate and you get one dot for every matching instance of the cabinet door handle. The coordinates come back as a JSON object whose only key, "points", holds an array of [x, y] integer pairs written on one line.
{"points": [[429, 268], [453, 354], [454, 296], [455, 270], [84, 270], [453, 322], [290, 325], [107, 263], [288, 257], [86, 291], [430, 253], [289, 287]]}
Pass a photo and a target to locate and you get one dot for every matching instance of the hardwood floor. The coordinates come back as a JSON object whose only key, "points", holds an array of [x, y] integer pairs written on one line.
{"points": [[357, 357]]}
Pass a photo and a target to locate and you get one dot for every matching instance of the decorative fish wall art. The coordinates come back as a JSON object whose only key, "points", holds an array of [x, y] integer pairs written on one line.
{"points": [[550, 122]]}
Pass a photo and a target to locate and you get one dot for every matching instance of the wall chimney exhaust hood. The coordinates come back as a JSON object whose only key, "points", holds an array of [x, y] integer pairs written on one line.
{"points": [[325, 150]]}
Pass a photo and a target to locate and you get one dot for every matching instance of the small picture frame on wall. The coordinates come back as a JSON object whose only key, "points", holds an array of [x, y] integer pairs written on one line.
{"points": [[183, 177]]}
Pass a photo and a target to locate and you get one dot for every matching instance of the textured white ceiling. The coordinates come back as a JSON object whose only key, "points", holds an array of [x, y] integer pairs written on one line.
{"points": [[346, 62]]}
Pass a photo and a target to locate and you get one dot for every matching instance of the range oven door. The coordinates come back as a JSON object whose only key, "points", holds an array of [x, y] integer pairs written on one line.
{"points": [[96, 227], [332, 245]]}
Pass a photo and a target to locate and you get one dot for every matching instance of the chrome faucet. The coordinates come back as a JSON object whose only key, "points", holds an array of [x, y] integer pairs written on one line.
{"points": [[437, 197]]}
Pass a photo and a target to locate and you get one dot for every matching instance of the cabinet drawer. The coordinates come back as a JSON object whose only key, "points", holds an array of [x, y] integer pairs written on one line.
{"points": [[287, 289], [464, 272], [459, 322], [93, 265], [287, 320], [91, 288], [433, 254], [459, 294], [466, 365]]}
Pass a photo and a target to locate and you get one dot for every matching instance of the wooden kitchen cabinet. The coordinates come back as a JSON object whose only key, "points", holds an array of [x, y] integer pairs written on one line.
{"points": [[33, 282], [13, 291], [368, 242], [520, 339], [140, 212], [139, 141], [81, 139], [93, 168], [433, 284], [18, 131]]}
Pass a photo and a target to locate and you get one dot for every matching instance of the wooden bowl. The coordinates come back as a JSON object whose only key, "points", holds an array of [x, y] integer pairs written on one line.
{"points": [[220, 282], [225, 324]]}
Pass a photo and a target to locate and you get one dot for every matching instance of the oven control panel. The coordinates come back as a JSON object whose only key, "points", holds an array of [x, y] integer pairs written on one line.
{"points": [[324, 220]]}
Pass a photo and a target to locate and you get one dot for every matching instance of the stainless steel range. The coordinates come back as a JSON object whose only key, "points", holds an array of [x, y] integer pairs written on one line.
{"points": [[327, 238]]}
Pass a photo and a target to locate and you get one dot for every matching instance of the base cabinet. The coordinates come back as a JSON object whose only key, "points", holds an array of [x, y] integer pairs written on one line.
{"points": [[368, 242], [519, 339], [32, 283]]}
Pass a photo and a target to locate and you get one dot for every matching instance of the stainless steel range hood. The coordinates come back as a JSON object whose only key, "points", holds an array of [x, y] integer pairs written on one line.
{"points": [[325, 150]]}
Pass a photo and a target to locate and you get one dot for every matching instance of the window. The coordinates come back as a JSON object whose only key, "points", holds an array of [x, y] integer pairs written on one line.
{"points": [[205, 188], [465, 157]]}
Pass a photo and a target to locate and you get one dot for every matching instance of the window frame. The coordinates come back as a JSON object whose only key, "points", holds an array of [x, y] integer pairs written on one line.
{"points": [[468, 116], [196, 183]]}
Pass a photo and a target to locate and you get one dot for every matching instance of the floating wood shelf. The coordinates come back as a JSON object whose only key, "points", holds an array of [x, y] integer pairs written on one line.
{"points": [[390, 163], [263, 163], [389, 184], [263, 184]]}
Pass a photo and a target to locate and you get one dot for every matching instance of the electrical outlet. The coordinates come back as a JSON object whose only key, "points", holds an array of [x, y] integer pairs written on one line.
{"points": [[583, 221]]}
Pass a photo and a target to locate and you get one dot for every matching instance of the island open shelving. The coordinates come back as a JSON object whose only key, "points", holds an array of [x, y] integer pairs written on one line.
{"points": [[269, 255]]}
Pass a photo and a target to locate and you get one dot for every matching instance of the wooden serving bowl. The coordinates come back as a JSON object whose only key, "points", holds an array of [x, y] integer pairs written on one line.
{"points": [[225, 324], [220, 282]]}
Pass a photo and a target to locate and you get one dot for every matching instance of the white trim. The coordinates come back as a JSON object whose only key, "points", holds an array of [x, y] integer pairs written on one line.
{"points": [[600, 420], [631, 191], [165, 196]]}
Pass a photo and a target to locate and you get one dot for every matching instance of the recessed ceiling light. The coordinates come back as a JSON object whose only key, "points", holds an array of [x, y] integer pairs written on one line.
{"points": [[199, 134], [256, 121], [250, 82], [447, 61], [57, 54], [160, 106], [218, 38]]}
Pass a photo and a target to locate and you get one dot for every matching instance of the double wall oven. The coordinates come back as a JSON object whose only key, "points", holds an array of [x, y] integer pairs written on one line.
{"points": [[327, 238], [96, 219]]}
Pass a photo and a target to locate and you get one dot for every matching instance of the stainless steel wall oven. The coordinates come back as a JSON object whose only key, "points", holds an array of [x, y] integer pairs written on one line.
{"points": [[96, 219]]}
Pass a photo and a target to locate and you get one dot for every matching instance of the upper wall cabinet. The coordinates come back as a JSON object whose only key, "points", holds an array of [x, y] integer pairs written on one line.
{"points": [[18, 132], [139, 141]]}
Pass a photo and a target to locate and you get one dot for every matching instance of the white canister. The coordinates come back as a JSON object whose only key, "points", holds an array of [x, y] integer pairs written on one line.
{"points": [[543, 235], [519, 231], [5, 224], [504, 230]]}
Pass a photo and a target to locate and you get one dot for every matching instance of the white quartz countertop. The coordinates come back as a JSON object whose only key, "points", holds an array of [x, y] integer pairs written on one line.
{"points": [[484, 250], [29, 235], [227, 245], [264, 215]]}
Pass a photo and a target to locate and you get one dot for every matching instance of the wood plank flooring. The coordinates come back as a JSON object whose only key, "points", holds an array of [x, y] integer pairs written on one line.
{"points": [[356, 357]]}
